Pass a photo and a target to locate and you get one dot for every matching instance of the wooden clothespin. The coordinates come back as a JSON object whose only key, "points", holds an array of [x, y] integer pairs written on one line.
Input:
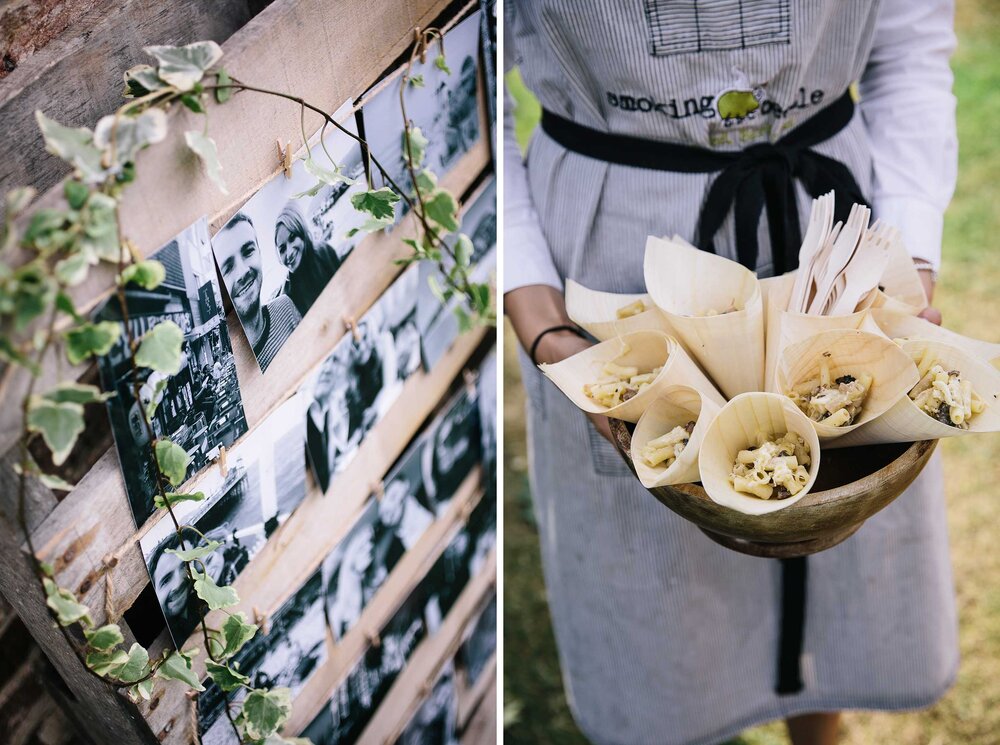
{"points": [[223, 465], [378, 489], [373, 639], [421, 44], [261, 620], [285, 158], [353, 326], [425, 689]]}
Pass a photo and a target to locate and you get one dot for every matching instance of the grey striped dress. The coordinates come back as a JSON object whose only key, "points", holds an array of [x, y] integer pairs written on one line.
{"points": [[663, 636]]}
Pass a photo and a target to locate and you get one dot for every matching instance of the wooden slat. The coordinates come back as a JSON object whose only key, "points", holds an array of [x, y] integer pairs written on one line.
{"points": [[168, 708], [470, 699], [409, 689], [69, 61], [482, 729]]}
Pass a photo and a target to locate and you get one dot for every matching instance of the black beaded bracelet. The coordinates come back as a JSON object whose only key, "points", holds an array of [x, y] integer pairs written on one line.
{"points": [[549, 330]]}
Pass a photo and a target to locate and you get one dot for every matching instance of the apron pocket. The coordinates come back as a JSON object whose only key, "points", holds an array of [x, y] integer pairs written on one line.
{"points": [[693, 26]]}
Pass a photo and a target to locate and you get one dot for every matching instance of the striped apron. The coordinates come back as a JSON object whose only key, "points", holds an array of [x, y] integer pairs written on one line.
{"points": [[664, 636]]}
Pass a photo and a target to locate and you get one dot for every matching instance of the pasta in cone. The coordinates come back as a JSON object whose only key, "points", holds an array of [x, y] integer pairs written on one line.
{"points": [[643, 350], [905, 421], [898, 325], [741, 425], [857, 364], [715, 308], [606, 315], [677, 407]]}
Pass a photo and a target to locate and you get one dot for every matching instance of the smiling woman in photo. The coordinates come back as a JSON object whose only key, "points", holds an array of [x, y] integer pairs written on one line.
{"points": [[310, 265]]}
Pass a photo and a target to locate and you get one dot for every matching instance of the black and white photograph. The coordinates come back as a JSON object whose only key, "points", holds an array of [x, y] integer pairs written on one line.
{"points": [[263, 484], [487, 388], [354, 703], [199, 408], [479, 644], [453, 448], [279, 252], [387, 528], [461, 560], [435, 722], [437, 321], [286, 656], [361, 378], [444, 108]]}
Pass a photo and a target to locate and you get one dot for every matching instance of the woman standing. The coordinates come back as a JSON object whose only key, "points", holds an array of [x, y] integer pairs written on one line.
{"points": [[717, 120], [310, 266]]}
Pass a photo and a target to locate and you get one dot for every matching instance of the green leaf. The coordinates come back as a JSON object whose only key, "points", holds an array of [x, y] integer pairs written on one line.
{"points": [[59, 424], [426, 181], [378, 203], [65, 304], [173, 461], [105, 663], [414, 145], [131, 134], [90, 339], [75, 146], [10, 353], [76, 193], [67, 608], [135, 667], [160, 348], [183, 67], [417, 81], [193, 102], [104, 638], [47, 569], [154, 401], [277, 739], [147, 274], [442, 64], [193, 554], [464, 320], [77, 393], [72, 270], [142, 79], [228, 678], [180, 666], [100, 220], [174, 498], [204, 147], [223, 94], [442, 209], [214, 596], [143, 690], [17, 200], [235, 632], [264, 712], [463, 250], [54, 482], [43, 223]]}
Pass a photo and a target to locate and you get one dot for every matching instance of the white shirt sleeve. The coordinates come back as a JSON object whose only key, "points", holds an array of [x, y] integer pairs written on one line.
{"points": [[909, 113]]}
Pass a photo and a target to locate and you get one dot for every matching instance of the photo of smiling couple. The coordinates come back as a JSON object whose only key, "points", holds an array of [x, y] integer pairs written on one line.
{"points": [[277, 254]]}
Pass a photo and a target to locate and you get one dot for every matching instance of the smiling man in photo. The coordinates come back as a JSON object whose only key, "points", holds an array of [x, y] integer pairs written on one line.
{"points": [[266, 325]]}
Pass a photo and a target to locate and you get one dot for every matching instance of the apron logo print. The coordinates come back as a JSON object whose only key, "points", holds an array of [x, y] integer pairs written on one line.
{"points": [[742, 100]]}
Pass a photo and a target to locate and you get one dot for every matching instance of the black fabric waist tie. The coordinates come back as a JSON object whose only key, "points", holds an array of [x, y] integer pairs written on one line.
{"points": [[751, 180]]}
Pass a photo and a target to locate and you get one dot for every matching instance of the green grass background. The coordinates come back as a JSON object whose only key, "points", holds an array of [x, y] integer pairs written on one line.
{"points": [[969, 296]]}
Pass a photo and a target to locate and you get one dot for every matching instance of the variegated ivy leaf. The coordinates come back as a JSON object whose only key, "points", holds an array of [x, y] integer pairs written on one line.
{"points": [[264, 712], [67, 609], [463, 250], [175, 498], [135, 667], [324, 177], [183, 67], [104, 638], [426, 181], [131, 134], [173, 461], [54, 482], [442, 64], [442, 209], [17, 200], [417, 81], [417, 146], [91, 339], [105, 662], [142, 690], [227, 677], [142, 79], [204, 147], [214, 596], [235, 632], [59, 424], [157, 398], [160, 348], [100, 228], [180, 666], [379, 205], [72, 270], [147, 274], [77, 393], [75, 145], [196, 553]]}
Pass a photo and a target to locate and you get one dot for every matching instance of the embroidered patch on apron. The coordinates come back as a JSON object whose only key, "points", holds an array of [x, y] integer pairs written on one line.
{"points": [[690, 26]]}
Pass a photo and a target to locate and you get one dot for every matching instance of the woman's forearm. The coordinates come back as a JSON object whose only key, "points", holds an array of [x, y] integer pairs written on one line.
{"points": [[534, 308]]}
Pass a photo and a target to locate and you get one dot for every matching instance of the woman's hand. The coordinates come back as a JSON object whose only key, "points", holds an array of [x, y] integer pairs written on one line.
{"points": [[533, 309]]}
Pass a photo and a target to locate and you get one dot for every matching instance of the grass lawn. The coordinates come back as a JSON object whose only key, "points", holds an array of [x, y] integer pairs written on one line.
{"points": [[969, 297]]}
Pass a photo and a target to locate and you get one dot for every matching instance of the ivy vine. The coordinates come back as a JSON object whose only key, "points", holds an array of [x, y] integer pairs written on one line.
{"points": [[37, 317]]}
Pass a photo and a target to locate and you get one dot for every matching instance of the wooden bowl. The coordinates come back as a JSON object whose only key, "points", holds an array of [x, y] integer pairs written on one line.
{"points": [[853, 484]]}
